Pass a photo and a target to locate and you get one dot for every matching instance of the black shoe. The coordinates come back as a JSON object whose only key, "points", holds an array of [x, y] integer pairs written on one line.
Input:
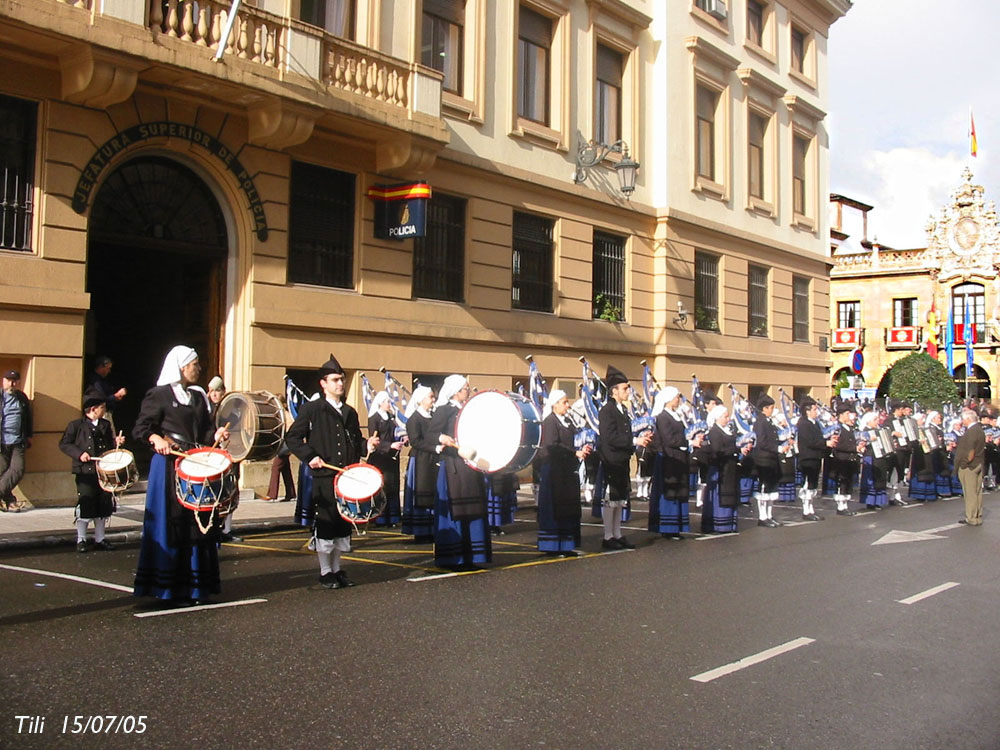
{"points": [[570, 553], [343, 580], [104, 545], [82, 546], [610, 544], [811, 517], [769, 523], [230, 538], [960, 520], [329, 581], [624, 543], [497, 531], [846, 512]]}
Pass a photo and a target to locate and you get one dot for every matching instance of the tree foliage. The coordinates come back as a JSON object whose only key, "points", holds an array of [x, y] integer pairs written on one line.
{"points": [[919, 377]]}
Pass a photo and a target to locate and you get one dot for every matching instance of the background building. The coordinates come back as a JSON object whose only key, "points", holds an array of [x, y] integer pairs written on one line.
{"points": [[158, 191]]}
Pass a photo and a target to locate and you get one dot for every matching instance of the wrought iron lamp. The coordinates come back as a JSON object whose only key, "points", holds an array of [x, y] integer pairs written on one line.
{"points": [[682, 315], [591, 154]]}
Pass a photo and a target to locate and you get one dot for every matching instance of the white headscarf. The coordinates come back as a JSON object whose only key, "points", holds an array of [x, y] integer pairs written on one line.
{"points": [[554, 398], [452, 385], [716, 414], [867, 421], [380, 398], [170, 373], [663, 397], [931, 415], [419, 395]]}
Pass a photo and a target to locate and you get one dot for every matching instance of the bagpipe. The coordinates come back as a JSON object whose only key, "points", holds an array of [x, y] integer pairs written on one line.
{"points": [[693, 412], [399, 397], [593, 395], [744, 416], [787, 424]]}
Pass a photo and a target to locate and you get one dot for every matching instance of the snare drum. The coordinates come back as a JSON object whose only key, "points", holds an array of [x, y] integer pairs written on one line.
{"points": [[256, 424], [504, 430], [200, 478], [116, 470], [358, 489]]}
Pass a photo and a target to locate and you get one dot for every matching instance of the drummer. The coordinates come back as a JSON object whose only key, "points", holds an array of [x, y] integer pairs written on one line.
{"points": [[217, 392], [177, 561], [327, 433], [84, 440]]}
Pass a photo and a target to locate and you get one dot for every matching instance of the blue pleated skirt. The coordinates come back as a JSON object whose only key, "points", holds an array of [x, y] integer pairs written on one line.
{"points": [[416, 521], [458, 542]]}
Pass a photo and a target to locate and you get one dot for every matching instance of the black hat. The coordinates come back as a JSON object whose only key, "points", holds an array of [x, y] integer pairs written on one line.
{"points": [[91, 398], [102, 360], [709, 396], [807, 402], [12, 375], [332, 367], [614, 377], [896, 403], [764, 401], [844, 406]]}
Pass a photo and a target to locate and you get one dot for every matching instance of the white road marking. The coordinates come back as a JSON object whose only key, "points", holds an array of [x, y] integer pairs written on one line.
{"points": [[895, 536], [928, 593], [197, 608], [68, 577], [947, 527], [749, 661]]}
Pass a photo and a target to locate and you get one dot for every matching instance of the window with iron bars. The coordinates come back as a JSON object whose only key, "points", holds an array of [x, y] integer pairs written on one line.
{"points": [[439, 256], [706, 291], [321, 226], [18, 122], [609, 276], [800, 308], [531, 287], [757, 296]]}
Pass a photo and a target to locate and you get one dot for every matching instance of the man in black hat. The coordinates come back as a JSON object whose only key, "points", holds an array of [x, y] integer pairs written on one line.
{"points": [[616, 447], [15, 438], [903, 452], [846, 458], [327, 433], [813, 448], [765, 459]]}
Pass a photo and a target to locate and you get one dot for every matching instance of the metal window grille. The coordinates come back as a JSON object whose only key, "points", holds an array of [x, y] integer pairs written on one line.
{"points": [[439, 257], [321, 226], [800, 308], [849, 314], [757, 296], [609, 276], [531, 287], [706, 292], [18, 118], [904, 312]]}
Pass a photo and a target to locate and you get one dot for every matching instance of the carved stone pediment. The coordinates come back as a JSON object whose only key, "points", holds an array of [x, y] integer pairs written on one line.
{"points": [[964, 240]]}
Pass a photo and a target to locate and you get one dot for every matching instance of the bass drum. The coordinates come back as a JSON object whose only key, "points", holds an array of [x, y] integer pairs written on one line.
{"points": [[503, 430], [256, 424]]}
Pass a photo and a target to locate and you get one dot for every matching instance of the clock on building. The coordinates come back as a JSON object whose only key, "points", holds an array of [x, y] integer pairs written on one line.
{"points": [[965, 236]]}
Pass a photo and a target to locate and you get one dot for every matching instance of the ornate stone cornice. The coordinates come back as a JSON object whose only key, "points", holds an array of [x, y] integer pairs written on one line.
{"points": [[96, 79]]}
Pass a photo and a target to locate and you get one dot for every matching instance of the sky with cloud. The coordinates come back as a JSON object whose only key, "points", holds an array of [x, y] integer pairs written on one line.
{"points": [[903, 75]]}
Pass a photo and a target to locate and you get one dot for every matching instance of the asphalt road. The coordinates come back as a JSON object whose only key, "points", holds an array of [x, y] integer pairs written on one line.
{"points": [[593, 652]]}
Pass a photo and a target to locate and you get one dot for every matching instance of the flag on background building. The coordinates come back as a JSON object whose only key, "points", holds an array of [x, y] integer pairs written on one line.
{"points": [[969, 334], [932, 332], [949, 341], [973, 145]]}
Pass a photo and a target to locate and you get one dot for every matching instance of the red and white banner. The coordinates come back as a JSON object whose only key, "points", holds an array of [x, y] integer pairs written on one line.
{"points": [[902, 336], [846, 338]]}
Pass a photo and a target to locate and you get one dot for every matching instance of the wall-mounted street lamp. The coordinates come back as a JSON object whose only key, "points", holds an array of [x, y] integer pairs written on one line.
{"points": [[682, 315], [591, 154]]}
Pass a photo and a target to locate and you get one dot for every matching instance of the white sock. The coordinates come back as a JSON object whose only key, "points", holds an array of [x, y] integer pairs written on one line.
{"points": [[81, 529], [588, 493], [99, 530], [841, 501], [227, 525], [616, 523], [761, 506], [336, 560], [325, 565], [608, 517]]}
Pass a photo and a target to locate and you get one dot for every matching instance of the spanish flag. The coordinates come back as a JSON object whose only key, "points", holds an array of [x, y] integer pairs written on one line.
{"points": [[973, 146]]}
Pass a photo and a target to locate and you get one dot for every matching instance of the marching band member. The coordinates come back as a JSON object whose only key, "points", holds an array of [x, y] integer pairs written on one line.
{"points": [[616, 447], [217, 392], [668, 506], [385, 458], [812, 450], [559, 480], [874, 471], [765, 458], [422, 470], [461, 536], [938, 457], [846, 460], [84, 440], [922, 485], [719, 513], [176, 560], [501, 500], [902, 452], [327, 432]]}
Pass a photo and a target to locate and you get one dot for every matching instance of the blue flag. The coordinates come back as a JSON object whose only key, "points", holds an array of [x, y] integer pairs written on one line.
{"points": [[949, 341], [970, 338]]}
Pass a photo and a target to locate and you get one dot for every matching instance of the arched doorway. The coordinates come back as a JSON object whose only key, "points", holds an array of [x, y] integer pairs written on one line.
{"points": [[979, 383], [157, 249]]}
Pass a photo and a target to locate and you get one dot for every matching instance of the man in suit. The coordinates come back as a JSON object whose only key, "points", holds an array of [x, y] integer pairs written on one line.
{"points": [[969, 467]]}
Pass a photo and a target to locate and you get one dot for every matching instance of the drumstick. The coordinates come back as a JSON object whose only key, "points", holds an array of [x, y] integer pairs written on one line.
{"points": [[226, 428], [331, 466], [181, 454]]}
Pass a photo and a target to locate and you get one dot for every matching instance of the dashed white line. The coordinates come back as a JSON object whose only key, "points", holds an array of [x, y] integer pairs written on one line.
{"points": [[928, 593], [749, 661], [68, 577]]}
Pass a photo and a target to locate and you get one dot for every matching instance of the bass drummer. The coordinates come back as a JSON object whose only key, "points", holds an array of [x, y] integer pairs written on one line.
{"points": [[327, 432]]}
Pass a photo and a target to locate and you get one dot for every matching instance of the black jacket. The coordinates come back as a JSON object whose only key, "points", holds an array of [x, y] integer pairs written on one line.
{"points": [[812, 446], [320, 431], [765, 447], [83, 436], [615, 446], [162, 414]]}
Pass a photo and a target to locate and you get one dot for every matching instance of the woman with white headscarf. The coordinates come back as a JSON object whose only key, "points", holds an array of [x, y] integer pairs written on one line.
{"points": [[558, 463], [176, 560], [722, 488], [422, 469], [461, 535], [874, 471], [385, 457], [668, 505], [922, 485]]}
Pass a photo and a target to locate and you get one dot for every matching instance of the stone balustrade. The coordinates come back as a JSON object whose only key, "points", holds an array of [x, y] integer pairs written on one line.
{"points": [[256, 35]]}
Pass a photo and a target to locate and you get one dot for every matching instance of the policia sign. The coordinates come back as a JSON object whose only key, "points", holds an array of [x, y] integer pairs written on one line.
{"points": [[152, 130], [400, 210]]}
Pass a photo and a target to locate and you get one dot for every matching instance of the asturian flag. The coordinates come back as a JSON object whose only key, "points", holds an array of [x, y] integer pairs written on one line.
{"points": [[969, 334], [949, 341]]}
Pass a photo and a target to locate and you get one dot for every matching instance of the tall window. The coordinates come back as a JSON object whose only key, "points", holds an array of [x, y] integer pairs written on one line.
{"points": [[534, 40], [707, 103], [849, 314], [441, 40], [531, 287], [17, 171], [609, 276], [321, 226], [757, 297], [974, 296], [439, 257], [904, 312], [800, 153], [755, 22], [608, 96], [800, 308], [755, 153], [335, 16], [706, 291], [799, 42]]}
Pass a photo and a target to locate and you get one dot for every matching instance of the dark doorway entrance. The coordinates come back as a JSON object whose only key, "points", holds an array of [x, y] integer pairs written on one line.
{"points": [[979, 383], [156, 275]]}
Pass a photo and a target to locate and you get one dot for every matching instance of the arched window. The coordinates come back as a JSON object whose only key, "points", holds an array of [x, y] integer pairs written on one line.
{"points": [[974, 295]]}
